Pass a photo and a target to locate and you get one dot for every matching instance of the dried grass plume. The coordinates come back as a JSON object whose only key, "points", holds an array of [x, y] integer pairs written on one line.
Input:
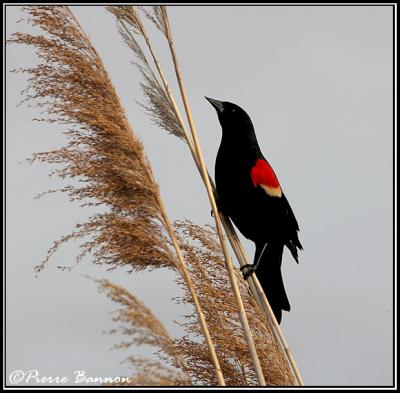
{"points": [[203, 253], [73, 88], [140, 326]]}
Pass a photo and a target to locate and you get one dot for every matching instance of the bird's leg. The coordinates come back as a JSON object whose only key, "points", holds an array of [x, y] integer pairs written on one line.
{"points": [[252, 267]]}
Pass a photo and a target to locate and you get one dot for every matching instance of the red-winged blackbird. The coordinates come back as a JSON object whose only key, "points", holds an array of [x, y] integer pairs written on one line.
{"points": [[249, 192]]}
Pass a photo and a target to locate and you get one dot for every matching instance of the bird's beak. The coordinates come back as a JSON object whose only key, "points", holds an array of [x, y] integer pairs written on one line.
{"points": [[218, 105]]}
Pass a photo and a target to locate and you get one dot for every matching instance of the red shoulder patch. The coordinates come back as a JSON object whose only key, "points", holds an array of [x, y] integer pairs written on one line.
{"points": [[263, 174]]}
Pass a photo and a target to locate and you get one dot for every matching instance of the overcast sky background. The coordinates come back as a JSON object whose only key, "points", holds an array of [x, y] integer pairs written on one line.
{"points": [[317, 83]]}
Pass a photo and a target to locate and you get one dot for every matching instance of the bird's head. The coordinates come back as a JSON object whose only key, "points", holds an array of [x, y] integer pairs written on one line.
{"points": [[231, 116]]}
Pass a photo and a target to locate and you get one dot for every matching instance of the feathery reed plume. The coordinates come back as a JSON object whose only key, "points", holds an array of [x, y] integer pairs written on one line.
{"points": [[205, 259], [140, 326], [158, 106], [128, 20], [102, 153]]}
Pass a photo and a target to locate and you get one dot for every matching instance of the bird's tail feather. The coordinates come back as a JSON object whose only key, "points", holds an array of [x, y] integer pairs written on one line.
{"points": [[269, 274]]}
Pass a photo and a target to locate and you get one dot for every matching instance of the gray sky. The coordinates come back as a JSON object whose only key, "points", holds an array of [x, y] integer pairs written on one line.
{"points": [[317, 83]]}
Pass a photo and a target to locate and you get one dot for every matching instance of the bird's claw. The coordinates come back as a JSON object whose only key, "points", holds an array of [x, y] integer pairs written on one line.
{"points": [[250, 270]]}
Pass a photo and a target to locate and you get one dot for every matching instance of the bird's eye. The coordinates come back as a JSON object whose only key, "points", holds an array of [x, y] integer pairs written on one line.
{"points": [[233, 110]]}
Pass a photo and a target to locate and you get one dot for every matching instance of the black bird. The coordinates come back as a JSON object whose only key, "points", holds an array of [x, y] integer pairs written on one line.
{"points": [[250, 194]]}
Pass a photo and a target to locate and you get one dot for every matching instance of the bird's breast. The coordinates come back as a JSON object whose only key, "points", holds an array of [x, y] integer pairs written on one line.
{"points": [[232, 178]]}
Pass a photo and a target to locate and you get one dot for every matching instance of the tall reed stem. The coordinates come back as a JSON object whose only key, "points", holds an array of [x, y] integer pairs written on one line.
{"points": [[228, 261]]}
